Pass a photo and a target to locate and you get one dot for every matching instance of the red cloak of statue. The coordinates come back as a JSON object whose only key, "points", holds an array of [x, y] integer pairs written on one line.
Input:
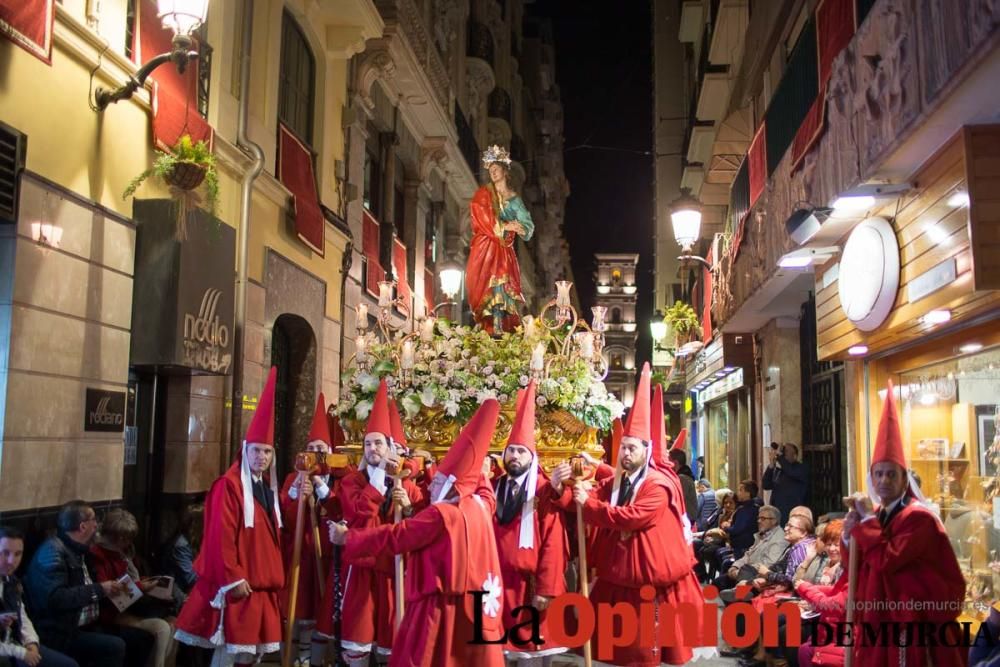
{"points": [[492, 261]]}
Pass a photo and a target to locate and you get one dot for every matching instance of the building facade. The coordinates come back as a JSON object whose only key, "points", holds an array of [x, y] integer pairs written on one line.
{"points": [[143, 326], [856, 248], [616, 291]]}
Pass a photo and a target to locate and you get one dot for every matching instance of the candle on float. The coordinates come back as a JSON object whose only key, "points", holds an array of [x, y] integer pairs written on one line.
{"points": [[529, 326], [586, 345], [418, 309], [384, 294], [362, 316], [427, 330], [538, 358], [562, 293], [406, 359], [361, 348]]}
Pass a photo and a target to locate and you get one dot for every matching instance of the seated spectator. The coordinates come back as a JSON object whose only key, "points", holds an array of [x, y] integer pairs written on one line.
{"points": [[20, 641], [822, 564], [769, 544], [830, 602], [65, 602], [180, 551], [777, 577], [713, 539], [707, 505], [743, 527], [113, 559]]}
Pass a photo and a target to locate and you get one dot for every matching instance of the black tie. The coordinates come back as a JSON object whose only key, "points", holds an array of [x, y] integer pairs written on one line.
{"points": [[883, 517], [625, 491], [263, 495], [509, 507]]}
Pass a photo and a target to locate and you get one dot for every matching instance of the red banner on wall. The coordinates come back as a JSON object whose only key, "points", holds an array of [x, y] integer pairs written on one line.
{"points": [[429, 289], [399, 268], [175, 95], [369, 247], [29, 24], [295, 171], [836, 23], [706, 311]]}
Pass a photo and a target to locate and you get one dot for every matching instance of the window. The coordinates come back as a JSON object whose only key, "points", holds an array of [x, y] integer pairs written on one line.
{"points": [[616, 360], [616, 316], [373, 184], [296, 80], [616, 277]]}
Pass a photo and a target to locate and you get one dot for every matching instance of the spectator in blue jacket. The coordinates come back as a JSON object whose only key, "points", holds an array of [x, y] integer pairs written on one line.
{"points": [[787, 479], [743, 526]]}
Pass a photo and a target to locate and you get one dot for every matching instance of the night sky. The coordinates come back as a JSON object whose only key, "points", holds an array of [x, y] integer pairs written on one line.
{"points": [[604, 71]]}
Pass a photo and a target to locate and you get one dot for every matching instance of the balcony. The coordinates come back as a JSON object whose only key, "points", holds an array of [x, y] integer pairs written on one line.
{"points": [[403, 19], [700, 141], [728, 32], [499, 105], [480, 42], [714, 85], [691, 21]]}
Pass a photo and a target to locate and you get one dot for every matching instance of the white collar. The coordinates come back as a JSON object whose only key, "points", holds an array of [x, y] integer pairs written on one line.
{"points": [[255, 477], [635, 475], [892, 506]]}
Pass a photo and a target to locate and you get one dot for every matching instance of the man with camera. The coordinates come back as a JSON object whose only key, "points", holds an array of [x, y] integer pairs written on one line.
{"points": [[786, 478]]}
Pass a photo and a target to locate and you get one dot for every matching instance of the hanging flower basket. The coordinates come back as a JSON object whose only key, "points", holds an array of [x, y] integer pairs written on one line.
{"points": [[186, 175]]}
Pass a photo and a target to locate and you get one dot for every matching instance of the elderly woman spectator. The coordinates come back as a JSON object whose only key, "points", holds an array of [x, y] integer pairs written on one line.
{"points": [[712, 539], [828, 599], [113, 557], [707, 504]]}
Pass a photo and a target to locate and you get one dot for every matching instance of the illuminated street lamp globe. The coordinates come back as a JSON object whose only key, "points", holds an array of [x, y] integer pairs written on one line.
{"points": [[451, 279], [657, 327], [685, 216]]}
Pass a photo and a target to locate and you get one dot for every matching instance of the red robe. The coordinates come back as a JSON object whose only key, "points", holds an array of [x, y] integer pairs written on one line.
{"points": [[911, 559], [368, 605], [310, 594], [536, 571], [230, 552], [638, 544], [451, 551], [492, 260]]}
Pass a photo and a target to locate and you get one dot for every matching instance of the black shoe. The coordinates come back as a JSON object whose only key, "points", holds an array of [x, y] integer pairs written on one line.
{"points": [[750, 662]]}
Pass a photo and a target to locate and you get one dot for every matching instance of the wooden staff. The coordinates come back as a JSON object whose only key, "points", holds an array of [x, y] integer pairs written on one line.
{"points": [[581, 545], [317, 544], [852, 584], [397, 517], [286, 658]]}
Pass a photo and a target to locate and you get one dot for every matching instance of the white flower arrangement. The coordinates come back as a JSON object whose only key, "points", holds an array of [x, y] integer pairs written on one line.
{"points": [[463, 366]]}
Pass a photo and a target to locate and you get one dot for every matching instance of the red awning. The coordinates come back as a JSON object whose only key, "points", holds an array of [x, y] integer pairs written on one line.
{"points": [[399, 268], [295, 171], [175, 96], [369, 247], [29, 24]]}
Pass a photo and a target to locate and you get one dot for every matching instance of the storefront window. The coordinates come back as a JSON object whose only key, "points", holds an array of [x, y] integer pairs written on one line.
{"points": [[717, 455], [949, 416]]}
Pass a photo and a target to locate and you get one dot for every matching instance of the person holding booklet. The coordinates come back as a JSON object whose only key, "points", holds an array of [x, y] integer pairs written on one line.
{"points": [[146, 604]]}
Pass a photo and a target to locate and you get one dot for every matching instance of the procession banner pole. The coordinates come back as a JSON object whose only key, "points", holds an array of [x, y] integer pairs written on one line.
{"points": [[397, 517], [286, 658], [852, 584]]}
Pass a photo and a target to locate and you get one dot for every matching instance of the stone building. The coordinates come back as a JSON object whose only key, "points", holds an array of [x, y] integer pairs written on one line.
{"points": [[616, 291]]}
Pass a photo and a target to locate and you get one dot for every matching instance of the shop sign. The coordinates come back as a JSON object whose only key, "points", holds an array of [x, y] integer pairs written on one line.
{"points": [[206, 337], [869, 273], [732, 381], [931, 281], [104, 411]]}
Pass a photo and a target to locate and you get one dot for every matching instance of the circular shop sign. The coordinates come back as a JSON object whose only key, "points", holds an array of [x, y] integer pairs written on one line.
{"points": [[869, 273]]}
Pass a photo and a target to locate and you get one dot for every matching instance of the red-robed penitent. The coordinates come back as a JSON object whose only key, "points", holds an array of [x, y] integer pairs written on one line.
{"points": [[450, 552], [640, 543], [368, 606], [327, 508], [492, 260], [531, 538], [241, 544], [908, 563]]}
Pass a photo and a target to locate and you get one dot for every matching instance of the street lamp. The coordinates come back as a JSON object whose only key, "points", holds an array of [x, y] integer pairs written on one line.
{"points": [[183, 17], [685, 216], [451, 279], [658, 328]]}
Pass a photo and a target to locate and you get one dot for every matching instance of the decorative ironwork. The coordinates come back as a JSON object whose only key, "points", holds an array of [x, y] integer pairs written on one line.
{"points": [[205, 51]]}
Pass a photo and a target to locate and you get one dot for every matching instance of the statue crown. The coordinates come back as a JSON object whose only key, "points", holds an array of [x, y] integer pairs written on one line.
{"points": [[496, 154]]}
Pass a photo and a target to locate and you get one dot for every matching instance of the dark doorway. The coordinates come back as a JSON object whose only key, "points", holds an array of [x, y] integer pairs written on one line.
{"points": [[145, 437], [293, 353], [823, 427]]}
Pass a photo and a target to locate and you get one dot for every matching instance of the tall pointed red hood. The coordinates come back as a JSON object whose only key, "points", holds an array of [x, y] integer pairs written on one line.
{"points": [[261, 429], [320, 426], [464, 460], [379, 420], [523, 431], [889, 441], [637, 425]]}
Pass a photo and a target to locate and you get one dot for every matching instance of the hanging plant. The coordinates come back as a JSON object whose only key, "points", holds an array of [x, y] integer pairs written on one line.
{"points": [[184, 169], [683, 321]]}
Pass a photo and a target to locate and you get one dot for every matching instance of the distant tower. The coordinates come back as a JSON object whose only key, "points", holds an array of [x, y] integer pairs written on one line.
{"points": [[616, 292]]}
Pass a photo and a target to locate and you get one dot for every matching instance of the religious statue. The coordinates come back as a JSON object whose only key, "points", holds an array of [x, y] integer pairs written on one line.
{"points": [[493, 278]]}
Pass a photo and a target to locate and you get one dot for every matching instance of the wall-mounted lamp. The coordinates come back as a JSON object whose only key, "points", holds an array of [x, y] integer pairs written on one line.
{"points": [[805, 257], [804, 223], [46, 234], [183, 17]]}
